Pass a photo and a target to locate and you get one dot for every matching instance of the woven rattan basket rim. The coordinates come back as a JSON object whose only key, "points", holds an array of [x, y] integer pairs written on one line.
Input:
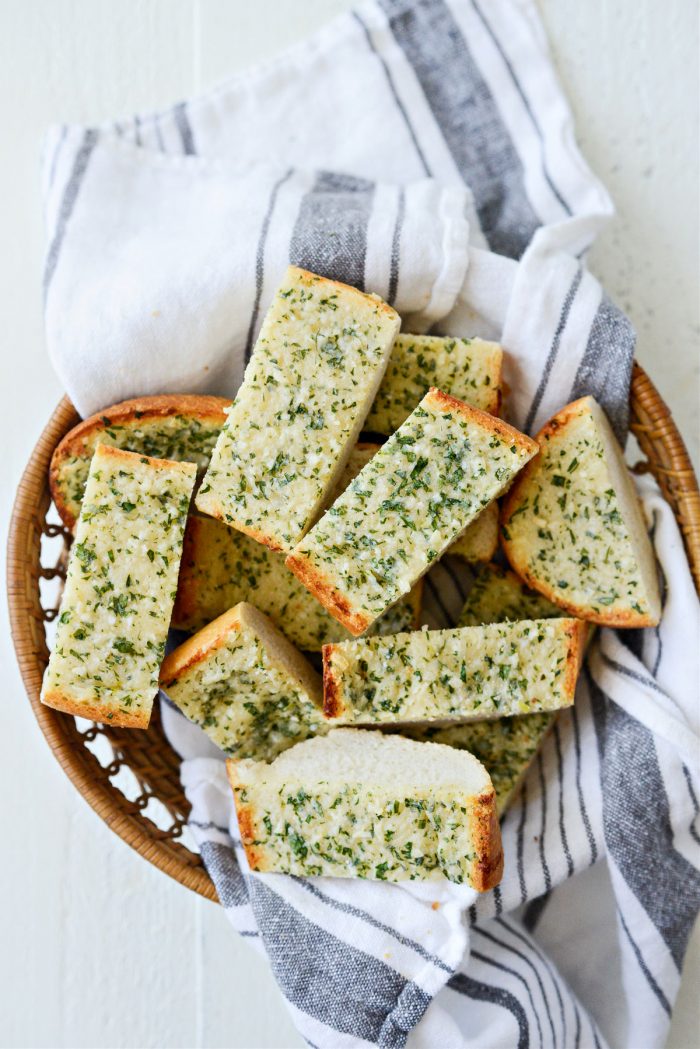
{"points": [[30, 507], [665, 457]]}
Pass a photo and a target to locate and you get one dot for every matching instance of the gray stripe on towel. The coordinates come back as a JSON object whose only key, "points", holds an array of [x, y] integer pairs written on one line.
{"points": [[260, 261], [484, 992], [526, 103], [330, 233], [222, 866], [637, 823], [70, 195], [339, 985], [395, 95], [185, 128], [553, 349], [468, 117], [527, 958], [606, 367]]}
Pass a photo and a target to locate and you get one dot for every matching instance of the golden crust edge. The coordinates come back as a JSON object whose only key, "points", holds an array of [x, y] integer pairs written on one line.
{"points": [[58, 700], [333, 706], [488, 866], [185, 604], [316, 278], [328, 595], [159, 406], [109, 451], [577, 633], [492, 510], [215, 510], [196, 648], [246, 820], [625, 618], [445, 402]]}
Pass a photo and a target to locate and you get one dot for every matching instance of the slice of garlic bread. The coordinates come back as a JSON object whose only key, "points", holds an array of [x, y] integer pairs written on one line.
{"points": [[469, 369], [413, 499], [178, 427], [573, 527], [315, 369], [120, 587], [498, 595], [366, 805], [464, 674], [506, 746], [241, 681], [479, 542], [222, 566]]}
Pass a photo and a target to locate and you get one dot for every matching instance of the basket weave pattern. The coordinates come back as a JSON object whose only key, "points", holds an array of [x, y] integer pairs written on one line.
{"points": [[99, 758]]}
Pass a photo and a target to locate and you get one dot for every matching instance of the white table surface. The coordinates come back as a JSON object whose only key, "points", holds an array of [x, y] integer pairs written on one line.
{"points": [[97, 948]]}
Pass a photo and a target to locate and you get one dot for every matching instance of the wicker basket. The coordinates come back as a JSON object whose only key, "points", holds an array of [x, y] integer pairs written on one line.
{"points": [[131, 778]]}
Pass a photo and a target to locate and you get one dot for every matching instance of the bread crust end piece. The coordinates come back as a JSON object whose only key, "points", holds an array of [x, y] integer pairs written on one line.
{"points": [[307, 277], [198, 646], [577, 631], [444, 402], [488, 869], [246, 820], [333, 705], [67, 704]]}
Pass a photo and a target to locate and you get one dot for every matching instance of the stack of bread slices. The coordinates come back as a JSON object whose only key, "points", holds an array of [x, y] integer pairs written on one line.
{"points": [[301, 519]]}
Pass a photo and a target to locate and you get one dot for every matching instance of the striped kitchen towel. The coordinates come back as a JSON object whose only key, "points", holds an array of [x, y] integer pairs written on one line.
{"points": [[421, 149]]}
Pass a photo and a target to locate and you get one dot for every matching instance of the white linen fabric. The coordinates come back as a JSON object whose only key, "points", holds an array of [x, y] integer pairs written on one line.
{"points": [[421, 149]]}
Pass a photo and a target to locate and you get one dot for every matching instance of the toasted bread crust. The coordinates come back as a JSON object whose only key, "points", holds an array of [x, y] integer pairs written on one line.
{"points": [[58, 700], [488, 867], [622, 618], [197, 647], [315, 278], [333, 705], [490, 516], [497, 403], [444, 402], [246, 825], [138, 409], [246, 820], [577, 632], [416, 595], [185, 598], [331, 598]]}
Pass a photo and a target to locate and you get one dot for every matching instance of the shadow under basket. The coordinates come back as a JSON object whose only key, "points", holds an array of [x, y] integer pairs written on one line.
{"points": [[132, 778]]}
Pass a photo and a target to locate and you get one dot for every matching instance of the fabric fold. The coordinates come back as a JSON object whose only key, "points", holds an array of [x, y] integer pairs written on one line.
{"points": [[160, 267]]}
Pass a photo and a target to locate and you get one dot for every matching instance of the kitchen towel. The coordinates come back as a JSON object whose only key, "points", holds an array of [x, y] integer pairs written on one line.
{"points": [[421, 149]]}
